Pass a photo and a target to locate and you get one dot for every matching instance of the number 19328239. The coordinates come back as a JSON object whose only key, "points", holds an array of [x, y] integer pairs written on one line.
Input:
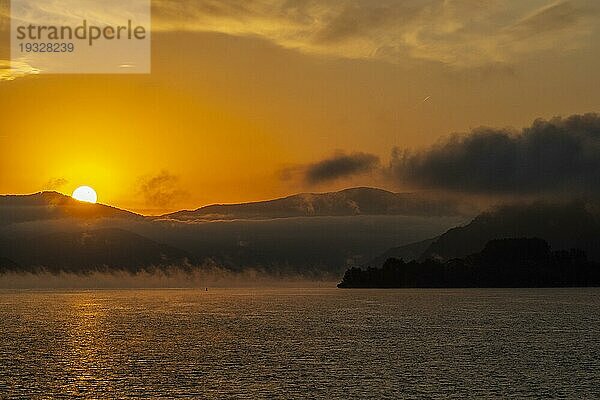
{"points": [[47, 47]]}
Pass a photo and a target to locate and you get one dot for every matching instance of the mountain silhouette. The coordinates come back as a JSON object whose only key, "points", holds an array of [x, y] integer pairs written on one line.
{"points": [[323, 232], [53, 205], [82, 251], [407, 252], [515, 262], [563, 226], [348, 202], [6, 264]]}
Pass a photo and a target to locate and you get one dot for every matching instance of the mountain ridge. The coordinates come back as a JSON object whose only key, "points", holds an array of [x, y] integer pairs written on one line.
{"points": [[48, 205], [90, 249], [502, 263], [346, 202], [564, 225]]}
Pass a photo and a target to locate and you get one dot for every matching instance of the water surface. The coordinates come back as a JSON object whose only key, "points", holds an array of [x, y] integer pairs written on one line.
{"points": [[300, 343]]}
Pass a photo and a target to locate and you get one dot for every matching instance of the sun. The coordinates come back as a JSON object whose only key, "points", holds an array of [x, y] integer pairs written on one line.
{"points": [[86, 194]]}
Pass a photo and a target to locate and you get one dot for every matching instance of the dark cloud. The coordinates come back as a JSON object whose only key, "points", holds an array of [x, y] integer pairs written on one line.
{"points": [[341, 166], [290, 173], [559, 156], [161, 190]]}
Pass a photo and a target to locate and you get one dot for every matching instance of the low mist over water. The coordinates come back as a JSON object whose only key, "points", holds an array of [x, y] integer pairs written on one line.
{"points": [[300, 343], [170, 277]]}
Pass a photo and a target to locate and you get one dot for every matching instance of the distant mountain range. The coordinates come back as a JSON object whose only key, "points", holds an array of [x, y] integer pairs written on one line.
{"points": [[349, 202], [90, 249], [503, 263], [52, 206], [562, 225], [305, 232], [316, 233], [407, 252]]}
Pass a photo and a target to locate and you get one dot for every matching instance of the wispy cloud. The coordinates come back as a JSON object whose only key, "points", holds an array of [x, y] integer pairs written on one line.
{"points": [[55, 183], [459, 33], [9, 71], [161, 190]]}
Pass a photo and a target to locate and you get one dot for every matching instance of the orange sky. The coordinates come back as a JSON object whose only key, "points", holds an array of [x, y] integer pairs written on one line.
{"points": [[231, 102]]}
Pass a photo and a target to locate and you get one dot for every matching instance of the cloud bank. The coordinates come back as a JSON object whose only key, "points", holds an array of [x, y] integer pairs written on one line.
{"points": [[560, 156]]}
